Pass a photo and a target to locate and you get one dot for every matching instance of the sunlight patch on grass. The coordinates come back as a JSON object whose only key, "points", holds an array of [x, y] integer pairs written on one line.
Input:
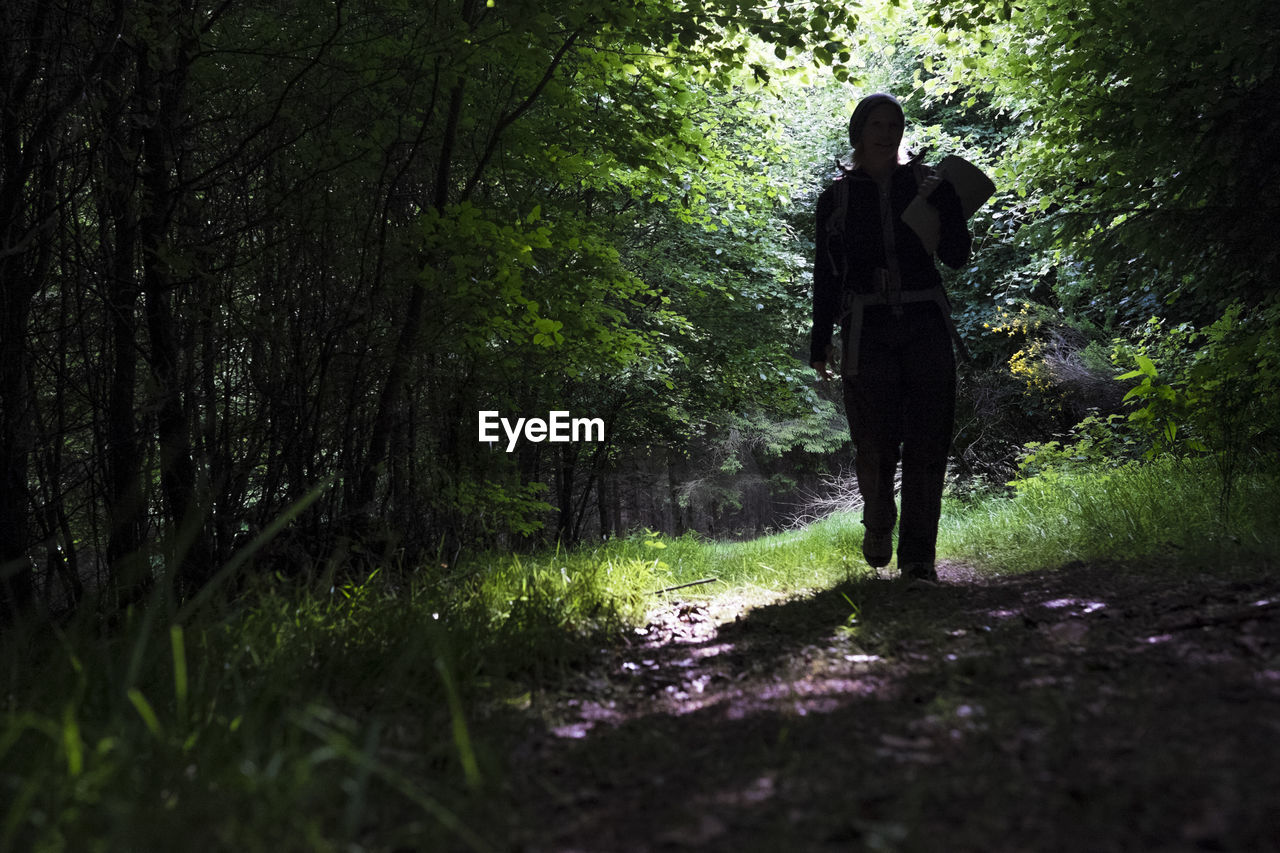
{"points": [[1168, 508]]}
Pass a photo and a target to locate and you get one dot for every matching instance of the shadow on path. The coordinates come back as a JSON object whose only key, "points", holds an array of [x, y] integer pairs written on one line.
{"points": [[1093, 707]]}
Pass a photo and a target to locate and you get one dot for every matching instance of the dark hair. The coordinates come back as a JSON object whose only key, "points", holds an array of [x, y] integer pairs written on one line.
{"points": [[858, 121]]}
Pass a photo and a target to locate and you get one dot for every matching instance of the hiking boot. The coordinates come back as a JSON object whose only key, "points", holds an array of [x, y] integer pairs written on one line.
{"points": [[919, 572], [877, 548]]}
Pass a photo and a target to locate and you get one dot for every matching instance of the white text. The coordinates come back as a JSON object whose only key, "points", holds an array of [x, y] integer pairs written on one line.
{"points": [[558, 427]]}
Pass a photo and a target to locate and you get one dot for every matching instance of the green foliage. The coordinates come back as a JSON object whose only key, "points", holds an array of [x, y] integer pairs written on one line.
{"points": [[1162, 407], [320, 238], [1217, 385], [1141, 145], [493, 508], [598, 207], [1217, 397], [1120, 192], [1195, 394], [1094, 444], [1138, 510]]}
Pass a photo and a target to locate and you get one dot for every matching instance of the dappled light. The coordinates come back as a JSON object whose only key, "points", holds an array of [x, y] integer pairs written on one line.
{"points": [[1026, 702]]}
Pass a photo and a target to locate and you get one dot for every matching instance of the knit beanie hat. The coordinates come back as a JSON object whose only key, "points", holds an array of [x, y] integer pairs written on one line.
{"points": [[858, 122]]}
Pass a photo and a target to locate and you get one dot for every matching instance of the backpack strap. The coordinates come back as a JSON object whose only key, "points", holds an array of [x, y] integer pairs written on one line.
{"points": [[836, 221]]}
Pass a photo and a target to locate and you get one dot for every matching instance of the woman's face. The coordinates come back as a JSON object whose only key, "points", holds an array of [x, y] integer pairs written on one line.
{"points": [[881, 137]]}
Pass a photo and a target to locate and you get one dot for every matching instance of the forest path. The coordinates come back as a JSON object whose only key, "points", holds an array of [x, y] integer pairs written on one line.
{"points": [[1090, 707]]}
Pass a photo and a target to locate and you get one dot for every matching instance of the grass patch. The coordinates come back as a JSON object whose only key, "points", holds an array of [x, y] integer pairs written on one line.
{"points": [[367, 716], [320, 719], [1168, 508]]}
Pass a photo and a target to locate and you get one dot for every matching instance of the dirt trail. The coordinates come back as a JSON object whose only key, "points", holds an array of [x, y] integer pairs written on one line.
{"points": [[1093, 707]]}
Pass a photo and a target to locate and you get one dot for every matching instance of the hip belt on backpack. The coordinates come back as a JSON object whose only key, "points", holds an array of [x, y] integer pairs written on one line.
{"points": [[890, 293]]}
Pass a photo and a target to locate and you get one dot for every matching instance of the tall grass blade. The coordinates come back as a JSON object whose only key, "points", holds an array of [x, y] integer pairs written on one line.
{"points": [[314, 721], [72, 744], [145, 711], [461, 734], [179, 671], [18, 811], [359, 793], [139, 652]]}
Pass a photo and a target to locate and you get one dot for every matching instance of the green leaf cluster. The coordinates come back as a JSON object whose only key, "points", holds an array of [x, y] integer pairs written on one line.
{"points": [[1142, 147]]}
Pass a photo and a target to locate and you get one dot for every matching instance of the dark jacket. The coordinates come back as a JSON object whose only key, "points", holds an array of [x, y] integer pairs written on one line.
{"points": [[861, 249]]}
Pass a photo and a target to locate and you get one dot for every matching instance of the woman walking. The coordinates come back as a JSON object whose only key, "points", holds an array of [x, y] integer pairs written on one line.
{"points": [[875, 277]]}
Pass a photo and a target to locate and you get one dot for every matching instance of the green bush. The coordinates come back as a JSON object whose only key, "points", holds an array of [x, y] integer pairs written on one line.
{"points": [[1217, 394]]}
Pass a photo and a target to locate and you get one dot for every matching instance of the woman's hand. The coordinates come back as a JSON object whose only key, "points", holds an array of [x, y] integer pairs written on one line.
{"points": [[821, 366], [929, 184]]}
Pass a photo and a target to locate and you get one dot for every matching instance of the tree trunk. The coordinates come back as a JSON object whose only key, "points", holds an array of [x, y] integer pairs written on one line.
{"points": [[125, 502], [180, 479], [16, 581]]}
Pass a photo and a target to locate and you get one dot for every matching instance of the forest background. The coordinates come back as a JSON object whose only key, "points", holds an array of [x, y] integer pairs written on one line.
{"points": [[261, 266]]}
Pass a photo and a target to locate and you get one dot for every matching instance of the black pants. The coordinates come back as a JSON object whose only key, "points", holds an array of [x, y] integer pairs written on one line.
{"points": [[901, 406]]}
